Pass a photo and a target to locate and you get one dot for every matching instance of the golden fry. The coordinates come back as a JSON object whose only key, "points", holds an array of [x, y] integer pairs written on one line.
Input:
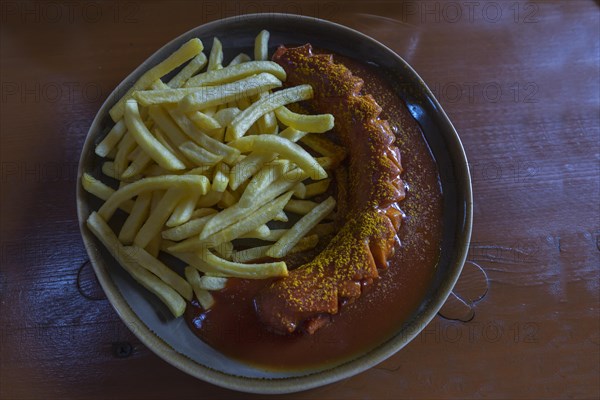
{"points": [[189, 50], [195, 65], [204, 297], [236, 72], [249, 116], [193, 182], [307, 123], [102, 191], [158, 217], [285, 148], [301, 228], [136, 218], [111, 139], [164, 292], [261, 46], [207, 96], [215, 58], [145, 140]]}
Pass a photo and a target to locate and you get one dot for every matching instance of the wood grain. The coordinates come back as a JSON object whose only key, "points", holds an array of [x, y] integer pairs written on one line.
{"points": [[521, 86]]}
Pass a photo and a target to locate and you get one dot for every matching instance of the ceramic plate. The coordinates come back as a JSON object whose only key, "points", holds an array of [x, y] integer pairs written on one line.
{"points": [[170, 338]]}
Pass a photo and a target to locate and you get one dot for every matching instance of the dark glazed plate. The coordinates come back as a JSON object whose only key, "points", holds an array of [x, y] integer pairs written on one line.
{"points": [[171, 339]]}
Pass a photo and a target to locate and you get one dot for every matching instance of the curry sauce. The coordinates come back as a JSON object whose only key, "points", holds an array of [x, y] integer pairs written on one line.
{"points": [[232, 326]]}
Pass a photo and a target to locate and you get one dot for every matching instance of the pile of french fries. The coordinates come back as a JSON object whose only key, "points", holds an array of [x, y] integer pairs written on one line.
{"points": [[208, 158]]}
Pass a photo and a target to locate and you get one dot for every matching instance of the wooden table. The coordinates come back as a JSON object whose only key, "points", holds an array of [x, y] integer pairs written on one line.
{"points": [[520, 81]]}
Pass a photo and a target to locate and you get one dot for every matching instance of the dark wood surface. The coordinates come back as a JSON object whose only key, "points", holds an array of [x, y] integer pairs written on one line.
{"points": [[520, 81]]}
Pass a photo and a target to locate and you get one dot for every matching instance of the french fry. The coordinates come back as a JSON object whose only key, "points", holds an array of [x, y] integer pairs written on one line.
{"points": [[158, 217], [136, 218], [228, 199], [155, 170], [198, 155], [204, 297], [111, 139], [189, 50], [261, 232], [164, 292], [281, 216], [208, 96], [108, 169], [212, 282], [220, 178], [145, 140], [163, 96], [304, 244], [236, 72], [240, 58], [210, 111], [193, 182], [285, 148], [324, 146], [215, 58], [167, 125], [301, 228], [126, 146], [274, 235], [224, 250], [210, 199], [251, 254], [300, 190], [186, 230], [261, 45], [252, 221], [167, 275], [269, 173], [301, 207], [203, 212], [249, 116], [249, 166], [285, 182], [212, 265], [193, 259], [170, 131], [166, 141], [205, 170], [204, 121], [291, 134], [184, 210], [328, 162], [243, 103], [226, 115], [229, 153], [102, 191], [139, 163], [153, 246], [317, 188], [135, 153], [247, 271], [307, 123], [323, 229], [195, 65], [255, 253], [267, 123], [217, 134], [236, 212], [262, 165]]}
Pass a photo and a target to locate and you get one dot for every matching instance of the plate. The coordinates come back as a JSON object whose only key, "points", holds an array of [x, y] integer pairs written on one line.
{"points": [[170, 338]]}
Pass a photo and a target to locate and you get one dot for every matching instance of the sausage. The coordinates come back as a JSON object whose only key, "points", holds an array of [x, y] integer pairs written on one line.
{"points": [[312, 293]]}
